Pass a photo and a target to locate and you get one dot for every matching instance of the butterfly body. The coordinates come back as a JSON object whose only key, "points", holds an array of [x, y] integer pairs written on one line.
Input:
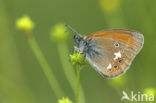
{"points": [[110, 52]]}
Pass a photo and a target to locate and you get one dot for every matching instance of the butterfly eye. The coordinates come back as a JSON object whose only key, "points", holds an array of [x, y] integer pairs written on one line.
{"points": [[116, 44], [115, 66]]}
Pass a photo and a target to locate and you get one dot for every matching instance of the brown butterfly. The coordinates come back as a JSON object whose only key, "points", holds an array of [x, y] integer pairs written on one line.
{"points": [[110, 52]]}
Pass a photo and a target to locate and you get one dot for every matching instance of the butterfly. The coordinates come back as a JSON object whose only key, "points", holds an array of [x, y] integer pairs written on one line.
{"points": [[110, 52]]}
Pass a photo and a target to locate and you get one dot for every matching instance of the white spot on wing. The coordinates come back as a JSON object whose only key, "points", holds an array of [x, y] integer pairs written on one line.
{"points": [[109, 66], [117, 55]]}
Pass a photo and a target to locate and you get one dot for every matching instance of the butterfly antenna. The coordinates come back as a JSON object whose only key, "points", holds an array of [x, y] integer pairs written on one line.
{"points": [[71, 29]]}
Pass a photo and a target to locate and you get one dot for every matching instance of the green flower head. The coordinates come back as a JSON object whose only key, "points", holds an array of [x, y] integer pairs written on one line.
{"points": [[77, 58], [64, 100], [109, 5], [149, 91], [58, 33], [25, 24]]}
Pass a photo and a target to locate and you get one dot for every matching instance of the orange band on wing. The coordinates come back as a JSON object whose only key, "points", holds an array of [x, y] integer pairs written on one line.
{"points": [[134, 43], [120, 36], [109, 74]]}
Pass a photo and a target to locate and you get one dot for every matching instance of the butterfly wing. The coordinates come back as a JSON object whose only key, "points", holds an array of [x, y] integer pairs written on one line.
{"points": [[132, 39], [107, 59], [111, 60]]}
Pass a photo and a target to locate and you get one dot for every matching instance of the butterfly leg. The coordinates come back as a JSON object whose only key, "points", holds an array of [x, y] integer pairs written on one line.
{"points": [[76, 49]]}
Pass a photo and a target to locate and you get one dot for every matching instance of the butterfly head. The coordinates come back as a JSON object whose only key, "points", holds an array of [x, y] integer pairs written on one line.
{"points": [[77, 39]]}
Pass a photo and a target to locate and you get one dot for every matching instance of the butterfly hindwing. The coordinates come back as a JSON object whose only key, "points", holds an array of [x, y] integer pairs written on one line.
{"points": [[109, 57]]}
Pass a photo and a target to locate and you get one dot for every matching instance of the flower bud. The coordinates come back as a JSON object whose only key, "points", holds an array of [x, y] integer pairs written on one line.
{"points": [[58, 33], [77, 58], [64, 100], [25, 24]]}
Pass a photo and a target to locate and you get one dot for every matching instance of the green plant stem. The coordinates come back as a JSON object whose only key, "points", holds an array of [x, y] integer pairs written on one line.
{"points": [[78, 83], [45, 67], [13, 86], [68, 69]]}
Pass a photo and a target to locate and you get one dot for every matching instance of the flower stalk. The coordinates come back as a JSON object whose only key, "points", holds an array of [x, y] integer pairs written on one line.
{"points": [[45, 67], [26, 25], [59, 36], [78, 83], [77, 59]]}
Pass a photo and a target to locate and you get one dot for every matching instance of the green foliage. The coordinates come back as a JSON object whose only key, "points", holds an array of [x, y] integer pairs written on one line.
{"points": [[118, 81]]}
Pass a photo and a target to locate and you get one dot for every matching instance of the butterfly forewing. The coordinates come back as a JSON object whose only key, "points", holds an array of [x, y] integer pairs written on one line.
{"points": [[132, 39]]}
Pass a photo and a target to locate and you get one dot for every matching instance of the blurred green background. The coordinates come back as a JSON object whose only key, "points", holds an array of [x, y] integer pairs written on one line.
{"points": [[21, 77]]}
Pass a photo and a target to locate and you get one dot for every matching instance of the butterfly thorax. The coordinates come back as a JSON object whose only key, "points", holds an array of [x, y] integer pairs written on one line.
{"points": [[83, 44]]}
